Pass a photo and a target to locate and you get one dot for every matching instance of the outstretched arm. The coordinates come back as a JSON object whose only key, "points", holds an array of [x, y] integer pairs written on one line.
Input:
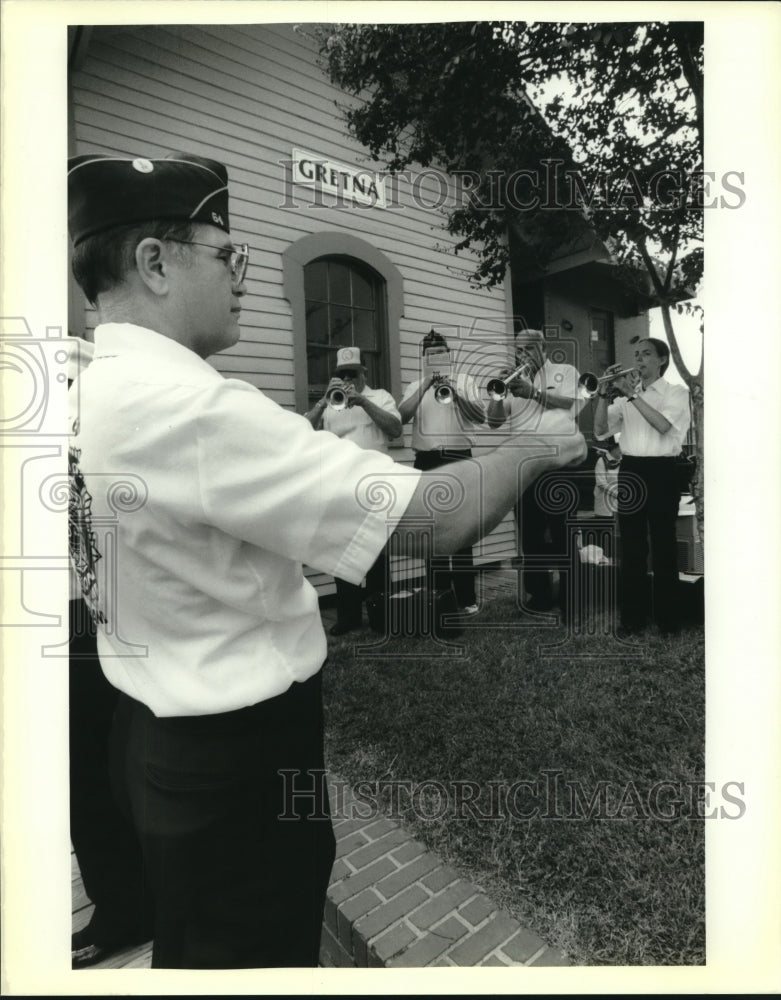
{"points": [[491, 486]]}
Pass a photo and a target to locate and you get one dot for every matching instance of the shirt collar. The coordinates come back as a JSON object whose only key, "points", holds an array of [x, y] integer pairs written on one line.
{"points": [[660, 386], [113, 339]]}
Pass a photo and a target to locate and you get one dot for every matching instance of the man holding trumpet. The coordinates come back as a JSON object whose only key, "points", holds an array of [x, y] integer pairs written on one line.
{"points": [[352, 410], [541, 397], [445, 410], [652, 415]]}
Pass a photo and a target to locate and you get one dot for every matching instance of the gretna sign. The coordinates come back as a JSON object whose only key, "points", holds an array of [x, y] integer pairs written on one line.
{"points": [[345, 183]]}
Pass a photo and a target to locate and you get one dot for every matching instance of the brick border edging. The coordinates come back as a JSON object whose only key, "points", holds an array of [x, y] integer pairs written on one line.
{"points": [[394, 904]]}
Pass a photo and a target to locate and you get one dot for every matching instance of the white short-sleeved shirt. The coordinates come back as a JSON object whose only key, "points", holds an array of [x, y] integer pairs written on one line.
{"points": [[527, 416], [442, 425], [354, 423], [196, 501], [639, 438]]}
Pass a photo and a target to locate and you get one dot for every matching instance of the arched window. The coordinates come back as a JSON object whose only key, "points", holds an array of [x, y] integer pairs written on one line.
{"points": [[343, 292], [345, 307]]}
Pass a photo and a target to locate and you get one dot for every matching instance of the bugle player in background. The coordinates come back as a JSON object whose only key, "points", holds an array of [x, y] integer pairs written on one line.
{"points": [[543, 398], [652, 415], [352, 410]]}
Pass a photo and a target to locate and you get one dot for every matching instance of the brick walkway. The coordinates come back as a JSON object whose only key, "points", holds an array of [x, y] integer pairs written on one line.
{"points": [[391, 903]]}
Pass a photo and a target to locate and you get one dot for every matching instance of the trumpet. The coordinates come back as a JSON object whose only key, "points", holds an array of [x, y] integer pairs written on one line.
{"points": [[589, 383], [336, 398], [498, 388], [444, 391]]}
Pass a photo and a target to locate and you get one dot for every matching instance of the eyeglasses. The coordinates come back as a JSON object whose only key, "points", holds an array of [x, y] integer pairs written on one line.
{"points": [[237, 258]]}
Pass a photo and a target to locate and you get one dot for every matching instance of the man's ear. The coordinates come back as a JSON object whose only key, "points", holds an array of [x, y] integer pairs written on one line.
{"points": [[153, 265]]}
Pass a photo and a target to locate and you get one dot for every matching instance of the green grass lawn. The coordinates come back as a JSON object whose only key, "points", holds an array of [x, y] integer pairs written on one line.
{"points": [[593, 852]]}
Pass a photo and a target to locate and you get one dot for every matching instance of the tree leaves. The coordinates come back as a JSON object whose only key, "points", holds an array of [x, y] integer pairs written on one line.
{"points": [[616, 101]]}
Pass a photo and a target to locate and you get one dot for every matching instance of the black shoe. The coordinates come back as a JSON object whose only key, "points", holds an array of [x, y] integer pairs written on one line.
{"points": [[342, 629], [85, 952]]}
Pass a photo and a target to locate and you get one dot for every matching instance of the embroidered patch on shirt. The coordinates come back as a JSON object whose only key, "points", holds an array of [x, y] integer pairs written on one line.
{"points": [[81, 538]]}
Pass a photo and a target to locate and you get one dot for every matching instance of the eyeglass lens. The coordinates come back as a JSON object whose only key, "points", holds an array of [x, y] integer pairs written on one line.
{"points": [[238, 263]]}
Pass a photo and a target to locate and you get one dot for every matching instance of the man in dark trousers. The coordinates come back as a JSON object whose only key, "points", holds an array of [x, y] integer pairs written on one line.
{"points": [[368, 417], [195, 502], [543, 398], [652, 415], [443, 433]]}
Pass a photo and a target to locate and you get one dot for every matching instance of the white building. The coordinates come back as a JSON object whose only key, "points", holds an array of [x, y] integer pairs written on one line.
{"points": [[338, 255]]}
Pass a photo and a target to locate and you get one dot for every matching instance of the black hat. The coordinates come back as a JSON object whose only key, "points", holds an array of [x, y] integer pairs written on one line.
{"points": [[109, 191]]}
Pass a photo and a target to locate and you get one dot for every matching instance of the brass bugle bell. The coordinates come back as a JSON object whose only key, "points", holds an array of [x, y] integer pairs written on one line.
{"points": [[336, 398], [497, 388], [589, 383], [444, 391]]}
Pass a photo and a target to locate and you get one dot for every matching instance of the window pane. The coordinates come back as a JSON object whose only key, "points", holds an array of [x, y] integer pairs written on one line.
{"points": [[339, 282], [341, 326], [319, 368], [364, 330], [315, 280], [363, 292], [372, 369], [316, 323]]}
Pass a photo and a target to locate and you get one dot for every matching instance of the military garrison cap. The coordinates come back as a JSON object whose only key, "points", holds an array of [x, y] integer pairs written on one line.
{"points": [[109, 191]]}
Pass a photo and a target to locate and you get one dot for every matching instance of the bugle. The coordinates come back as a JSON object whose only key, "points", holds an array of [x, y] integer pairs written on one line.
{"points": [[444, 391], [589, 383], [497, 388], [336, 398]]}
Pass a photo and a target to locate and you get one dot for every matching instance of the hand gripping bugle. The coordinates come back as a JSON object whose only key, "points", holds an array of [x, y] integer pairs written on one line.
{"points": [[589, 383], [497, 388], [444, 391], [336, 398]]}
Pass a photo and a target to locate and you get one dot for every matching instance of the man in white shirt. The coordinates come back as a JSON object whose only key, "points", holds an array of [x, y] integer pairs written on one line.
{"points": [[652, 417], [442, 433], [544, 398], [369, 418], [195, 501]]}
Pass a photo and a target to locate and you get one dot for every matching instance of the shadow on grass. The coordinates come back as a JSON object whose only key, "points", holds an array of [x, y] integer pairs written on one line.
{"points": [[568, 787]]}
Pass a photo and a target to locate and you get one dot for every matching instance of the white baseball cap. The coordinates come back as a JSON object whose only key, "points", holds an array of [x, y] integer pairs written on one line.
{"points": [[348, 357]]}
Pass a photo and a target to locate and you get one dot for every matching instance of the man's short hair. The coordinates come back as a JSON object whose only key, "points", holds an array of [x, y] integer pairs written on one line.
{"points": [[103, 261], [662, 352], [432, 339]]}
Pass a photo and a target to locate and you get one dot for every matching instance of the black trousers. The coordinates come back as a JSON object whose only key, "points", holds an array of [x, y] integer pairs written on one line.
{"points": [[233, 816], [458, 570], [103, 839], [649, 495], [350, 596], [545, 506]]}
